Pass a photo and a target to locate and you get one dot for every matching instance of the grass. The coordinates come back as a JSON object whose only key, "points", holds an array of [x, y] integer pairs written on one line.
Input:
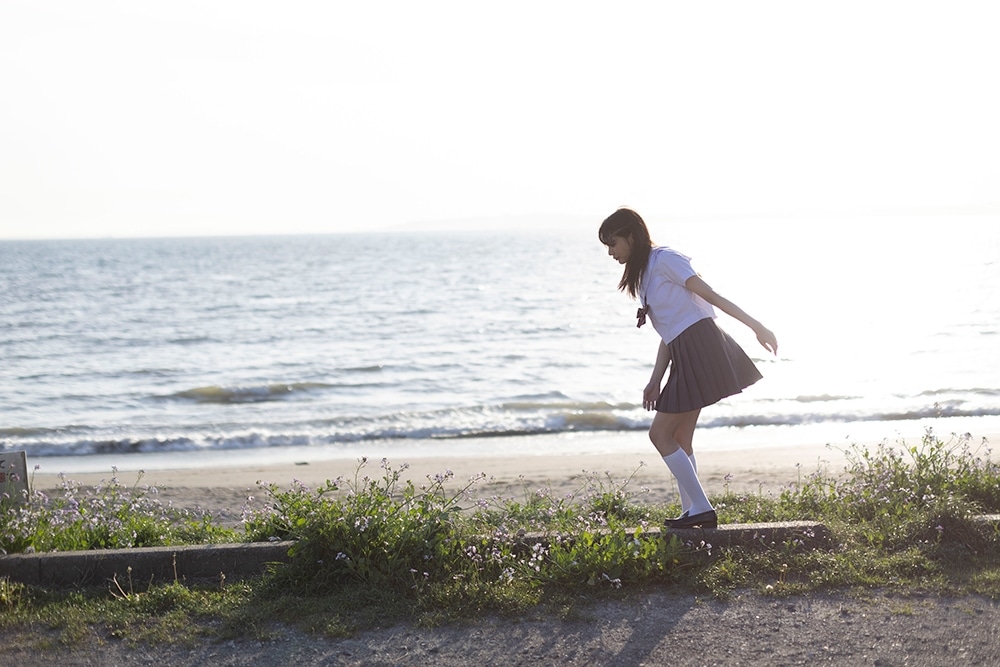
{"points": [[107, 516], [373, 551]]}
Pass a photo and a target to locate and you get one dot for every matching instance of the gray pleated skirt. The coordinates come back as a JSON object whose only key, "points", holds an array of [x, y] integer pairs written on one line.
{"points": [[706, 366]]}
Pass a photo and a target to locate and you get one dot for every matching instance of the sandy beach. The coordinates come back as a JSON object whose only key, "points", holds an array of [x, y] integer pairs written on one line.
{"points": [[224, 490], [509, 470]]}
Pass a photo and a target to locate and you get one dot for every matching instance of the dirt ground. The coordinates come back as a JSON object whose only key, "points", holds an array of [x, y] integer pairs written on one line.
{"points": [[655, 628]]}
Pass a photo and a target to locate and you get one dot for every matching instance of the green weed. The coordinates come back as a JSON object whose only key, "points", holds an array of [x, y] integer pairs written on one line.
{"points": [[108, 516], [373, 550]]}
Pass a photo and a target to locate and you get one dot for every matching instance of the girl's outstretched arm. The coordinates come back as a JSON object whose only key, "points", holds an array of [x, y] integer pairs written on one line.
{"points": [[704, 290]]}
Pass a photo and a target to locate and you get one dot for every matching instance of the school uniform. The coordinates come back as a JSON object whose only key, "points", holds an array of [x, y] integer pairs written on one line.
{"points": [[706, 364]]}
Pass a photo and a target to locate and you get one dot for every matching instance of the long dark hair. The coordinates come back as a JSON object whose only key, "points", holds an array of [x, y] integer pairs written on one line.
{"points": [[625, 222]]}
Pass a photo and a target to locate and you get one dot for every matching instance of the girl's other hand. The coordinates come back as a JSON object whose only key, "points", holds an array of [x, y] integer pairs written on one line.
{"points": [[767, 339], [650, 395]]}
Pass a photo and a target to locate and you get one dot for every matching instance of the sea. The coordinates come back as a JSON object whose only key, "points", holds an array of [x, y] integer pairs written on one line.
{"points": [[186, 352]]}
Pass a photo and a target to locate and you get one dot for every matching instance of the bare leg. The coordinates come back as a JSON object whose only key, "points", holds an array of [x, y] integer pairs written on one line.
{"points": [[684, 433], [663, 434], [671, 431]]}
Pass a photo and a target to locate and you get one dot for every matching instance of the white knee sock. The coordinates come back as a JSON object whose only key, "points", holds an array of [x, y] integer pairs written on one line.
{"points": [[687, 481], [685, 498]]}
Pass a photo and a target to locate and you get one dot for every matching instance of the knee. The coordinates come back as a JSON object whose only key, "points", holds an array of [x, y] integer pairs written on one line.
{"points": [[662, 439], [665, 447]]}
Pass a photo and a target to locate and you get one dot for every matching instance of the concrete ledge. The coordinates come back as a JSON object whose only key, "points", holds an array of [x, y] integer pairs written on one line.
{"points": [[810, 535], [159, 564], [807, 534], [237, 561]]}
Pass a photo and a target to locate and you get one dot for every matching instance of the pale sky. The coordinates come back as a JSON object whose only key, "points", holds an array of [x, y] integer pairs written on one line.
{"points": [[141, 118]]}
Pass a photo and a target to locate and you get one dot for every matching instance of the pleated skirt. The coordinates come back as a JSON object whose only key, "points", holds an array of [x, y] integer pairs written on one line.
{"points": [[706, 366]]}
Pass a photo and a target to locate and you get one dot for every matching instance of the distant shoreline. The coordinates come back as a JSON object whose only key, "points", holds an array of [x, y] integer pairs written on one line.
{"points": [[708, 440]]}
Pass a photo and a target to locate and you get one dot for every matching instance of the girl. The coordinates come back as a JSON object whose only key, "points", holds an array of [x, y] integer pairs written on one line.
{"points": [[706, 365]]}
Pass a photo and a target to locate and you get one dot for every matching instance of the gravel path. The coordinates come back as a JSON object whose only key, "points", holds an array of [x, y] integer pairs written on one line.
{"points": [[650, 629]]}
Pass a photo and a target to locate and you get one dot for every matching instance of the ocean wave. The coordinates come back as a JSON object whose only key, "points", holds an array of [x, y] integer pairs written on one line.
{"points": [[564, 405], [19, 432], [248, 394], [976, 391], [508, 420], [823, 398], [938, 411], [192, 340]]}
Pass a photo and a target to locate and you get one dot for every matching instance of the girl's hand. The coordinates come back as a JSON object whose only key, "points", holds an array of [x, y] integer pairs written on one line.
{"points": [[767, 339], [650, 395]]}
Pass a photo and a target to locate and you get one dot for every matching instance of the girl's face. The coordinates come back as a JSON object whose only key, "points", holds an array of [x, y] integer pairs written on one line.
{"points": [[620, 248]]}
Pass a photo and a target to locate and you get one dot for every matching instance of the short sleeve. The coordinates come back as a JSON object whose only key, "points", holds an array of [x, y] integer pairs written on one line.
{"points": [[675, 266]]}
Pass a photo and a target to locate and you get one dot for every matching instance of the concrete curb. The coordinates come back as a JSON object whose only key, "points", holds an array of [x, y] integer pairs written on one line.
{"points": [[238, 561], [808, 534], [157, 564], [811, 535]]}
